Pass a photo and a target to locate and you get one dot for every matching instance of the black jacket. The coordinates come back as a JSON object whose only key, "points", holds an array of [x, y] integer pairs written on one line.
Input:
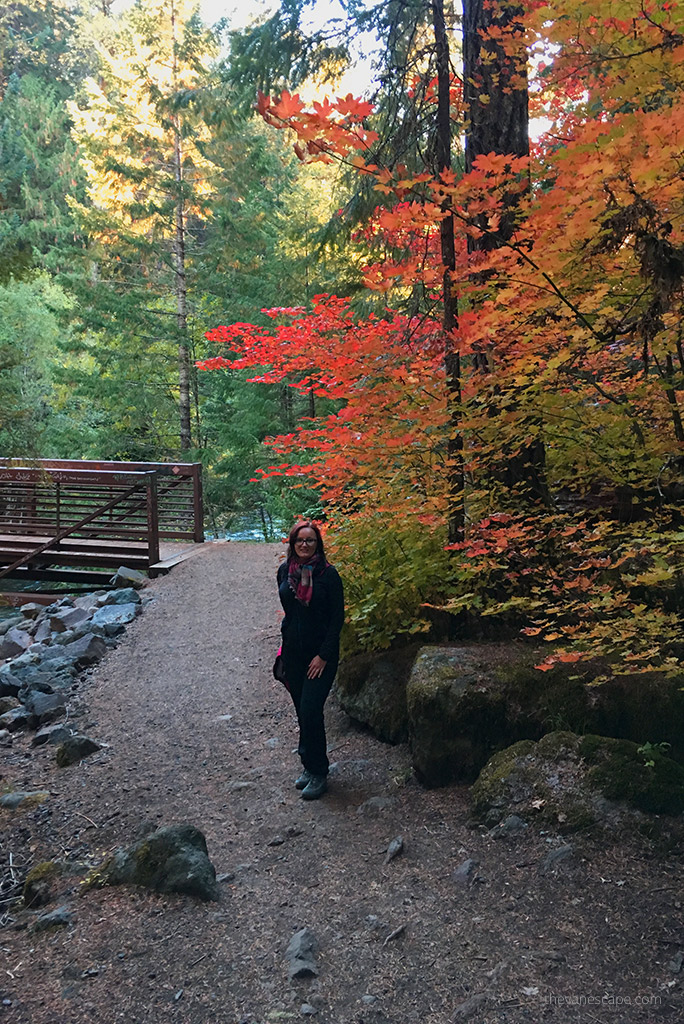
{"points": [[313, 629]]}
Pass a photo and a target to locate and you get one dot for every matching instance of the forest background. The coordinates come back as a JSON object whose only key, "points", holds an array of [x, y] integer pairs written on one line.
{"points": [[461, 350]]}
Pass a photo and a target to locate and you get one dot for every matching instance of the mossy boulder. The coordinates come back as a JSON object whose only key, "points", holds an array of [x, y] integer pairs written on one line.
{"points": [[570, 781], [642, 708], [38, 883], [172, 859], [371, 689], [457, 714]]}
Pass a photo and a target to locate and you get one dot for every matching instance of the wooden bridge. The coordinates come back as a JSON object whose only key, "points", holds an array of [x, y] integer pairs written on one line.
{"points": [[76, 521]]}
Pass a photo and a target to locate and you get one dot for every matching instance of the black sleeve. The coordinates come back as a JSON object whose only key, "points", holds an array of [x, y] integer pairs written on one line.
{"points": [[330, 648]]}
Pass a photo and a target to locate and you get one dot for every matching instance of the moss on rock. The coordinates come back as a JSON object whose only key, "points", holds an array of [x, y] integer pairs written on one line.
{"points": [[38, 884], [457, 715], [572, 781], [371, 689]]}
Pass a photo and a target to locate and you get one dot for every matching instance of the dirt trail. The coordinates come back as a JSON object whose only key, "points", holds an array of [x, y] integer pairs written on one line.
{"points": [[197, 731]]}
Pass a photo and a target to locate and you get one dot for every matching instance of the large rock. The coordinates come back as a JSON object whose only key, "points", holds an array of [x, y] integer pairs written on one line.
{"points": [[172, 859], [86, 650], [43, 707], [9, 623], [457, 714], [127, 595], [371, 689], [114, 617], [67, 618], [129, 578], [15, 641], [9, 683], [570, 781]]}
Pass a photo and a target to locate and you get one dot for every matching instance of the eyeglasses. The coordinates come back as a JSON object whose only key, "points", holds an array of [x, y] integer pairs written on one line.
{"points": [[308, 541]]}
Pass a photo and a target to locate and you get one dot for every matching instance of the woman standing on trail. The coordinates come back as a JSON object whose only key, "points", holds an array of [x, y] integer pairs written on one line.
{"points": [[311, 593]]}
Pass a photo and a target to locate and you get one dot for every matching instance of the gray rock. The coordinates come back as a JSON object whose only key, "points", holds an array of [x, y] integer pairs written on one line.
{"points": [[17, 718], [371, 689], [129, 577], [43, 631], [510, 827], [9, 623], [457, 714], [74, 749], [89, 602], [8, 704], [172, 859], [556, 857], [5, 738], [307, 1010], [86, 650], [32, 610], [72, 635], [51, 734], [43, 707], [300, 955], [14, 642], [375, 805], [11, 801], [62, 917], [67, 618], [112, 618], [126, 596], [465, 871], [472, 1006], [9, 683], [394, 849]]}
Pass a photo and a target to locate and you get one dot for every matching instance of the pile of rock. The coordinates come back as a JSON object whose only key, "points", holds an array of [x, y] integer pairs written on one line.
{"points": [[44, 648]]}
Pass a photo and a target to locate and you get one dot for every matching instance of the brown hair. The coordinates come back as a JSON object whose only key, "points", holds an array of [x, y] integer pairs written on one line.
{"points": [[320, 549]]}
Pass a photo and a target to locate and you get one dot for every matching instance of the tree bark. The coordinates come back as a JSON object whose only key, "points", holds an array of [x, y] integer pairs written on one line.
{"points": [[452, 359], [181, 285], [496, 101]]}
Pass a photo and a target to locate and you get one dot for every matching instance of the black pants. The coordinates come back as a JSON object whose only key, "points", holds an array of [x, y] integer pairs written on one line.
{"points": [[309, 697]]}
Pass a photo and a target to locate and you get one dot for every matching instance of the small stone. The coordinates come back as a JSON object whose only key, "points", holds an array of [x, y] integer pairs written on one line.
{"points": [[468, 1009], [300, 954], [509, 827], [394, 849], [23, 799], [308, 1010], [276, 841], [74, 749], [368, 999], [62, 917], [465, 871], [556, 857], [375, 805]]}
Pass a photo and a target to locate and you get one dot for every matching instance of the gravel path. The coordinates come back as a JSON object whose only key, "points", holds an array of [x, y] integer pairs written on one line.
{"points": [[197, 731]]}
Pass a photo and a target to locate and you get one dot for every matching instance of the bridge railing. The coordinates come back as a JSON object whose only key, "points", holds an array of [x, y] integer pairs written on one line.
{"points": [[93, 515]]}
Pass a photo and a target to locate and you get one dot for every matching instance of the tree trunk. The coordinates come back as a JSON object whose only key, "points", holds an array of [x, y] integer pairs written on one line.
{"points": [[452, 361], [184, 372], [496, 101]]}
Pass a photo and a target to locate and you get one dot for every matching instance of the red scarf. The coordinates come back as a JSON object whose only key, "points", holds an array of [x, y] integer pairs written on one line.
{"points": [[300, 576]]}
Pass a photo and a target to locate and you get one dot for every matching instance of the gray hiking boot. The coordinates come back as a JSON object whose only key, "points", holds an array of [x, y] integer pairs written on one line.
{"points": [[303, 780], [315, 788]]}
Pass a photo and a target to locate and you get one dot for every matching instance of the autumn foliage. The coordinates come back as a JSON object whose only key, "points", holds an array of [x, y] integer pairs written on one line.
{"points": [[570, 333]]}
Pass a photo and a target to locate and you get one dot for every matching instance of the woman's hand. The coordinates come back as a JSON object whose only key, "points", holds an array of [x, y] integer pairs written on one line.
{"points": [[316, 667]]}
